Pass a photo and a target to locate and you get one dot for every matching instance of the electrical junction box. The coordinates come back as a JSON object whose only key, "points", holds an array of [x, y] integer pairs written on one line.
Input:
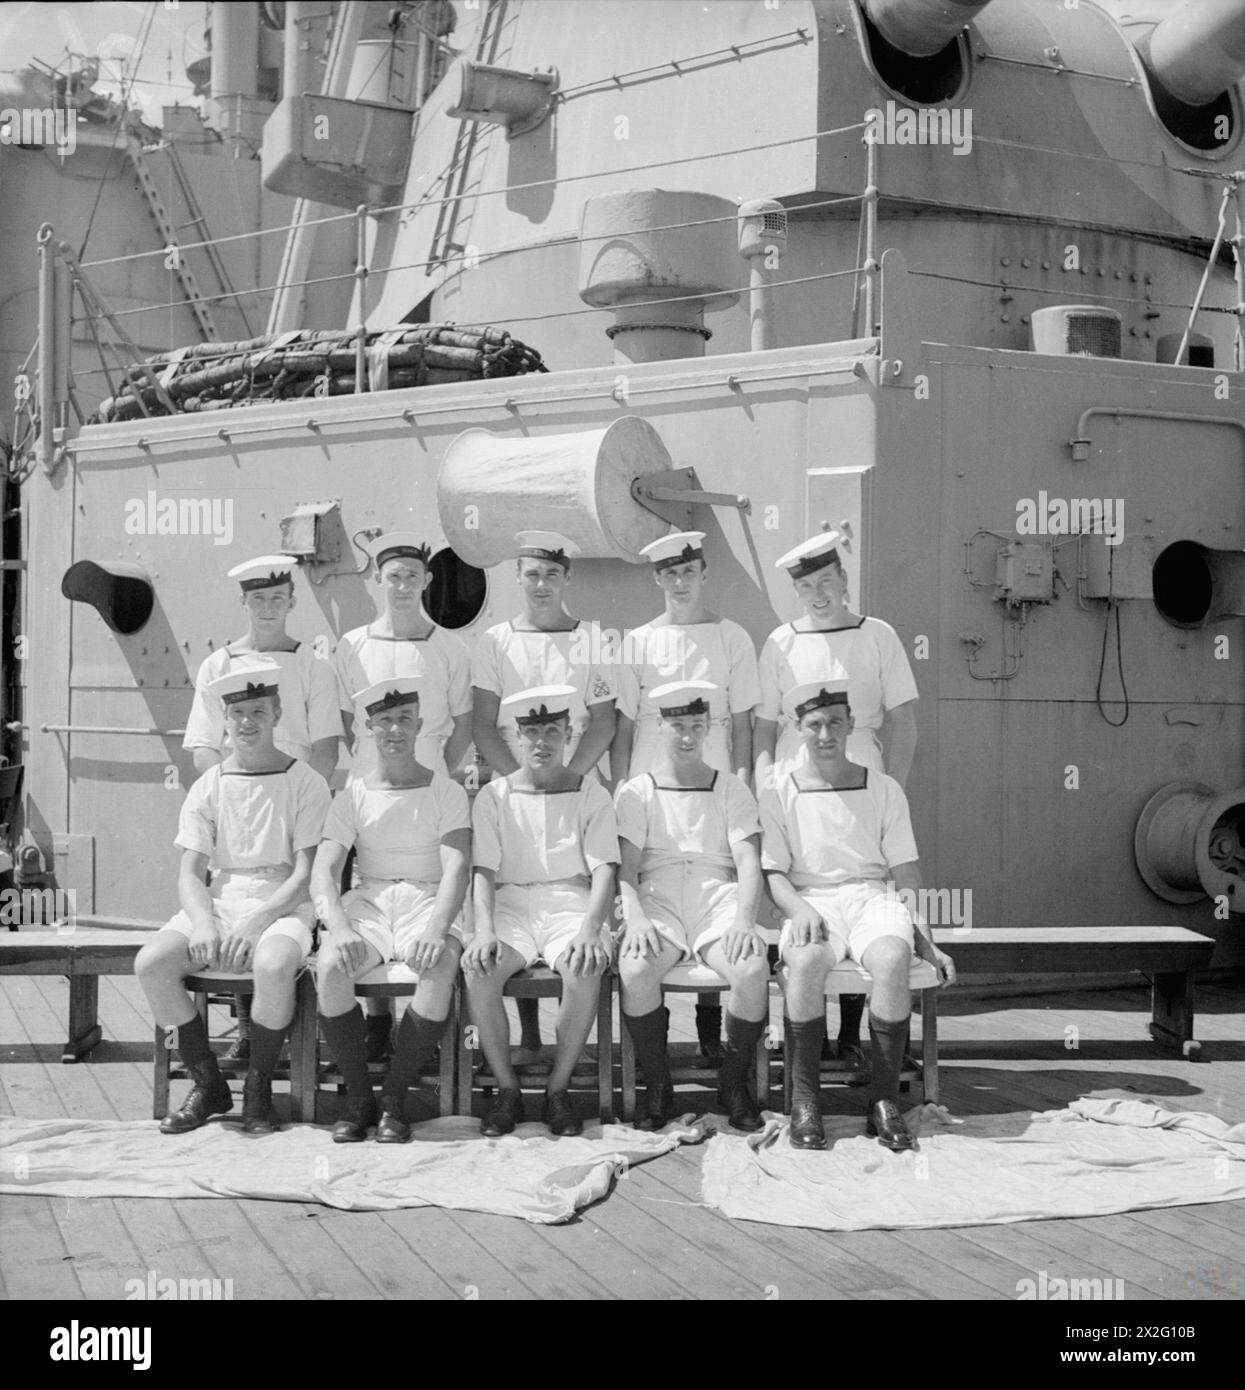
{"points": [[1024, 572]]}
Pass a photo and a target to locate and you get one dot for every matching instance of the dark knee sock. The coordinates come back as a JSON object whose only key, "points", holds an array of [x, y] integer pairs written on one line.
{"points": [[192, 1043], [529, 1022], [266, 1047], [742, 1038], [346, 1035], [708, 1024], [417, 1040], [648, 1034], [806, 1041], [242, 1012], [890, 1041], [851, 1011]]}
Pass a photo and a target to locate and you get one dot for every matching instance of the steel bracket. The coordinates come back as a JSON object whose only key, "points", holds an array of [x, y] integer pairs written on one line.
{"points": [[672, 493]]}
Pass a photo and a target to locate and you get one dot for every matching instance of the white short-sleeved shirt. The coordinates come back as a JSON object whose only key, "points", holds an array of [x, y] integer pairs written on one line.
{"points": [[537, 837], [656, 653], [506, 659], [307, 690], [253, 820], [820, 836], [362, 658], [397, 831], [680, 825], [869, 656]]}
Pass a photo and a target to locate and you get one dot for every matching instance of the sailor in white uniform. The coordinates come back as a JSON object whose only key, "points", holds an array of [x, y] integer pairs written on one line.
{"points": [[411, 828], [255, 820], [545, 850], [404, 641], [832, 643], [310, 724], [686, 642], [690, 883], [833, 833], [546, 646]]}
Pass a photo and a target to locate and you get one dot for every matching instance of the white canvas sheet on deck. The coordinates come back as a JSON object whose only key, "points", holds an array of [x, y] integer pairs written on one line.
{"points": [[447, 1164], [1092, 1159]]}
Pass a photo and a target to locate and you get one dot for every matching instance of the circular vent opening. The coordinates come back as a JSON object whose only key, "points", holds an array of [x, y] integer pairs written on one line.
{"points": [[1209, 127], [1183, 584], [456, 595], [924, 81]]}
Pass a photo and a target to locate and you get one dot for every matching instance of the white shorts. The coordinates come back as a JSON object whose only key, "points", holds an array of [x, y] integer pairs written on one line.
{"points": [[391, 913], [691, 905], [237, 894], [540, 920], [856, 915]]}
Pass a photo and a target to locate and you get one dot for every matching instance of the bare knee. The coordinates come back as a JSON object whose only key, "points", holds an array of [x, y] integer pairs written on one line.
{"points": [[889, 958]]}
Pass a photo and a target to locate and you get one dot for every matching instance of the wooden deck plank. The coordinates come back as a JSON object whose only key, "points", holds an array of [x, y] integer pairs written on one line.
{"points": [[37, 1263], [539, 1261], [391, 1263], [103, 1253], [462, 1253], [236, 1250], [747, 1246], [649, 1239], [316, 1263]]}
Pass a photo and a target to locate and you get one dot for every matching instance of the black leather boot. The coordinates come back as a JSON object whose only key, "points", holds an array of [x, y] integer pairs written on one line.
{"points": [[887, 1126], [393, 1128], [208, 1096], [259, 1115], [559, 1114], [357, 1116], [807, 1130], [504, 1114]]}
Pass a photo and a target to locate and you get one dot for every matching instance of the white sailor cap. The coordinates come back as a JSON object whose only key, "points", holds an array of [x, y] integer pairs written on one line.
{"points": [[800, 699], [247, 683], [398, 690], [264, 571], [395, 544], [685, 697], [547, 545], [675, 549], [811, 555], [540, 705]]}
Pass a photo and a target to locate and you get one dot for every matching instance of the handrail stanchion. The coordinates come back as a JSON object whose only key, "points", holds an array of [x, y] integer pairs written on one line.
{"points": [[870, 214], [360, 278]]}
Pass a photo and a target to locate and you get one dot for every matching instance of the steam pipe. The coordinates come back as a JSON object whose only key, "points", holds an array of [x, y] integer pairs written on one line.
{"points": [[1198, 52], [921, 28]]}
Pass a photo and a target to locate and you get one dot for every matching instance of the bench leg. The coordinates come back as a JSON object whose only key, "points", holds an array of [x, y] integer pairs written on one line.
{"points": [[1171, 1005], [605, 1050], [929, 1045], [84, 1029], [627, 1070]]}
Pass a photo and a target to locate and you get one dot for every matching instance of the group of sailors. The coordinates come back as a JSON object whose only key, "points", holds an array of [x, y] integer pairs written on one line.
{"points": [[545, 864]]}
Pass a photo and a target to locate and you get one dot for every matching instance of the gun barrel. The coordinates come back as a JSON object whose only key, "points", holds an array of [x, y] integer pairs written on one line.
{"points": [[1198, 52], [920, 28]]}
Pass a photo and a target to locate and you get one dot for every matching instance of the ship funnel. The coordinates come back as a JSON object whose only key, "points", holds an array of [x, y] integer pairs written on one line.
{"points": [[1198, 52], [921, 28], [659, 259], [1194, 585], [1190, 844]]}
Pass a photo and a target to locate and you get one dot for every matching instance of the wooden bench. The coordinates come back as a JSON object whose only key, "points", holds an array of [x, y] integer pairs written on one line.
{"points": [[1168, 955], [81, 954]]}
